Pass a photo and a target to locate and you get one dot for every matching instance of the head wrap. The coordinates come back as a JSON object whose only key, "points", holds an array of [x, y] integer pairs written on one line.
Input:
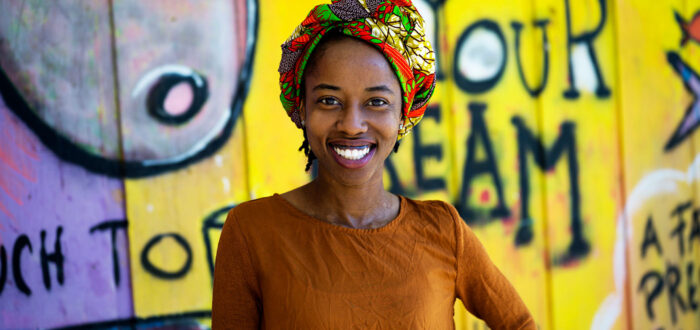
{"points": [[395, 27]]}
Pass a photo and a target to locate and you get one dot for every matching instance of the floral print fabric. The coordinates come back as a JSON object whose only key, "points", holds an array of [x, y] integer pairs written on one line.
{"points": [[395, 27]]}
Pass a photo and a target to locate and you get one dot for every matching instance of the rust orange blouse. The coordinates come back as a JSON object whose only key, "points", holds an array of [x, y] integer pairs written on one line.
{"points": [[278, 268]]}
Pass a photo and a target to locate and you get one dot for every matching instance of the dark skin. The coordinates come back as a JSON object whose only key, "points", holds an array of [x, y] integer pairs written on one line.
{"points": [[353, 105]]}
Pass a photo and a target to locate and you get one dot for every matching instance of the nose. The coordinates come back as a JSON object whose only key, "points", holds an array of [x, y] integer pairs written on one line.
{"points": [[352, 121]]}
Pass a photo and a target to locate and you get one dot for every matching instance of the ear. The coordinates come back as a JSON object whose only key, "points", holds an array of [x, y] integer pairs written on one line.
{"points": [[302, 110]]}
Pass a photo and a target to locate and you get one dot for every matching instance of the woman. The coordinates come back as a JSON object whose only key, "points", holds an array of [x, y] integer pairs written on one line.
{"points": [[340, 251]]}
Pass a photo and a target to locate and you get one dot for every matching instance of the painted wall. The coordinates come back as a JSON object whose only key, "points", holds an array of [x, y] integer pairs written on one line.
{"points": [[563, 131]]}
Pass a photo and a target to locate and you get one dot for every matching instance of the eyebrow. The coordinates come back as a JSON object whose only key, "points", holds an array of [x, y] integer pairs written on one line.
{"points": [[326, 86], [380, 88]]}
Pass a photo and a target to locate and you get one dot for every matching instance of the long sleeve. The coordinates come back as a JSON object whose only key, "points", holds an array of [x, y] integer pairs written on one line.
{"points": [[236, 297], [483, 289]]}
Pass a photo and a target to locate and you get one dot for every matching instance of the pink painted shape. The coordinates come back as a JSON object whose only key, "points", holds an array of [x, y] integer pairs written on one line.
{"points": [[179, 99]]}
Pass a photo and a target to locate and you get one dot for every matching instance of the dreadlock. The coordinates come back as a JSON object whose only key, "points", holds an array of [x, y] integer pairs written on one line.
{"points": [[307, 151]]}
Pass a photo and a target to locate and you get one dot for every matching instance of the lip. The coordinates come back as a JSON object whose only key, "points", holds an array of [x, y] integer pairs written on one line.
{"points": [[348, 163]]}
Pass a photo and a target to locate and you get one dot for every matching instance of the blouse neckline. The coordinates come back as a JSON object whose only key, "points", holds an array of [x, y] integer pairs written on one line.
{"points": [[324, 224]]}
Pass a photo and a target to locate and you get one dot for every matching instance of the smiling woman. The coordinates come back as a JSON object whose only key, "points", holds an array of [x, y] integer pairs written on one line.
{"points": [[352, 111], [341, 251]]}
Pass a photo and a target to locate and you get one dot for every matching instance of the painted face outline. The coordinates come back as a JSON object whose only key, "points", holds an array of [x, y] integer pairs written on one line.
{"points": [[69, 151], [351, 111]]}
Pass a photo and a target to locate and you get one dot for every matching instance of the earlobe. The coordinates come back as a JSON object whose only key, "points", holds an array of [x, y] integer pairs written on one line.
{"points": [[302, 113]]}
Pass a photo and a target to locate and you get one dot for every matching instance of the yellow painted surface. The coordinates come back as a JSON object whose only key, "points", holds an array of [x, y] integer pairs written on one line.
{"points": [[178, 202], [619, 146], [581, 279], [656, 181], [525, 265], [275, 165]]}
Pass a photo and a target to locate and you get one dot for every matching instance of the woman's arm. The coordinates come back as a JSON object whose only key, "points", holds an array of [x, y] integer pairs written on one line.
{"points": [[236, 298], [483, 289]]}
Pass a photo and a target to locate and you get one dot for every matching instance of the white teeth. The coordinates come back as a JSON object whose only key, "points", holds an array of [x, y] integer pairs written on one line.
{"points": [[352, 153]]}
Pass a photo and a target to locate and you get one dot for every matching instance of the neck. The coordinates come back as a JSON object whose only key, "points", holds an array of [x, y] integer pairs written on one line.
{"points": [[365, 205]]}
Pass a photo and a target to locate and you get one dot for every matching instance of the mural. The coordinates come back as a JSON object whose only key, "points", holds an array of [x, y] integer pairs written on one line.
{"points": [[564, 131]]}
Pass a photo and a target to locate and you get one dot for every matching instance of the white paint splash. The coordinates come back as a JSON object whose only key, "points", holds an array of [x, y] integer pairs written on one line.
{"points": [[481, 56], [583, 68], [658, 182], [226, 183]]}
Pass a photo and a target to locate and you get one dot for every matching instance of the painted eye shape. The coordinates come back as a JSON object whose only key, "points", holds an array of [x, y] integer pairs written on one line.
{"points": [[166, 108]]}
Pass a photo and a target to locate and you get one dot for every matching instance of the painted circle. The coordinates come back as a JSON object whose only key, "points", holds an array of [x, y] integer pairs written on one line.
{"points": [[480, 57], [169, 83], [159, 272]]}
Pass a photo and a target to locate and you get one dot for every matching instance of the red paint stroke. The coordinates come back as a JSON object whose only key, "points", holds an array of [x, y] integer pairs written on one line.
{"points": [[22, 144], [8, 188], [17, 155], [16, 134], [485, 196], [573, 263], [21, 135], [6, 211], [10, 162]]}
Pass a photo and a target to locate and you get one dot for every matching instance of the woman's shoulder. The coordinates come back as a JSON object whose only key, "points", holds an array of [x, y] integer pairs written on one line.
{"points": [[257, 210], [439, 212], [431, 205], [255, 205]]}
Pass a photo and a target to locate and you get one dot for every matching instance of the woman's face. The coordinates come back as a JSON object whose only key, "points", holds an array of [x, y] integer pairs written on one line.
{"points": [[352, 110]]}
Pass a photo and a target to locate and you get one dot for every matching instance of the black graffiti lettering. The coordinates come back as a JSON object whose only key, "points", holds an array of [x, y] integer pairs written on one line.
{"points": [[546, 159], [673, 279], [421, 152], [602, 91], [395, 185], [56, 258], [212, 222], [112, 226], [692, 289], [474, 168], [650, 238], [158, 272], [3, 264], [435, 7], [678, 212], [517, 28], [678, 231], [651, 296], [21, 243], [479, 86], [695, 230]]}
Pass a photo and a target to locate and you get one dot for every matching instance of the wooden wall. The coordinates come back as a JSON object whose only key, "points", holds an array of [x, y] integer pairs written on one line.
{"points": [[562, 130]]}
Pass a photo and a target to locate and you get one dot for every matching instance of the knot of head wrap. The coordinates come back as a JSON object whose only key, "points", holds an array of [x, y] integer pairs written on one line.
{"points": [[395, 27]]}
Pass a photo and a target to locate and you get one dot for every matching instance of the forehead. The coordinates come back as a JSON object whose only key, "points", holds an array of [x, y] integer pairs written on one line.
{"points": [[350, 61]]}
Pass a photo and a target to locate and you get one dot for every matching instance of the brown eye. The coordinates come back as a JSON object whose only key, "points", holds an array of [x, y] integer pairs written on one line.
{"points": [[329, 101], [377, 102]]}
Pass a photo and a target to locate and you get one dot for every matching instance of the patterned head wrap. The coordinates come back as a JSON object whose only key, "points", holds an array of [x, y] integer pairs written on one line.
{"points": [[395, 27]]}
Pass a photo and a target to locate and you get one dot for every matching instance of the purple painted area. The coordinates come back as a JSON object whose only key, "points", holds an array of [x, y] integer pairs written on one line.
{"points": [[40, 192]]}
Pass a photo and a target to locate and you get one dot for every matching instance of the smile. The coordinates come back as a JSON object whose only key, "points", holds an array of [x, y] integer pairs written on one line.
{"points": [[352, 155]]}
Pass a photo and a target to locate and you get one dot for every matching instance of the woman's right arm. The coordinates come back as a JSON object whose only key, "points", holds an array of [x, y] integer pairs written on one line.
{"points": [[236, 298]]}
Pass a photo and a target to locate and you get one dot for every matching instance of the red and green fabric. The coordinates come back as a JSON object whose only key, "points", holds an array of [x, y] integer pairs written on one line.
{"points": [[395, 27]]}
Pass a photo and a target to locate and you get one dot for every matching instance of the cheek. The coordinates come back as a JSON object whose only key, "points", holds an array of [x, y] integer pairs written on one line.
{"points": [[388, 127], [317, 128]]}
